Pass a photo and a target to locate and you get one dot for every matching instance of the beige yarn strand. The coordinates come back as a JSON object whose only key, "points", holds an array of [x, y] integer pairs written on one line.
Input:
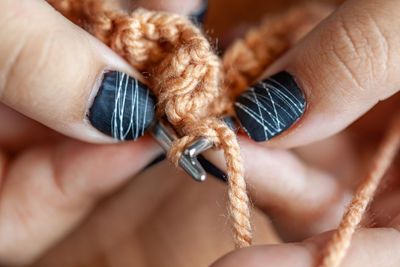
{"points": [[341, 239]]}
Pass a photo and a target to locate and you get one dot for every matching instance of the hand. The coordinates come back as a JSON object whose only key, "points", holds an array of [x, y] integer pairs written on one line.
{"points": [[164, 218], [336, 74], [61, 79]]}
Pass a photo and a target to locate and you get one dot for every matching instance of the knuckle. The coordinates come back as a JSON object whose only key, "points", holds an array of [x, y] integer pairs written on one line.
{"points": [[25, 58], [360, 47], [9, 66], [14, 40]]}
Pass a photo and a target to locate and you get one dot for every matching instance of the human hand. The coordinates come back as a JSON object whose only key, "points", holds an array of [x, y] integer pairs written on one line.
{"points": [[52, 73], [344, 68]]}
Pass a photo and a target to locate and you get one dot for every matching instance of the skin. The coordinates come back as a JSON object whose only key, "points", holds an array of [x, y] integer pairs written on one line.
{"points": [[46, 140]]}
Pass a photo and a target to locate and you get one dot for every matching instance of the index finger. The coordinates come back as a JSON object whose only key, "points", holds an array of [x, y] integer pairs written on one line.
{"points": [[56, 73], [345, 66]]}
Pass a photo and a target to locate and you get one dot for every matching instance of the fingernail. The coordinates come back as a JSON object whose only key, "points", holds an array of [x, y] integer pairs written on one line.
{"points": [[231, 122], [123, 107], [199, 16], [270, 107]]}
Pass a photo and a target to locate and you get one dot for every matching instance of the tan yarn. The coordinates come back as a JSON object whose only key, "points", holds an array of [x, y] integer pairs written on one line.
{"points": [[246, 59], [194, 89], [341, 239]]}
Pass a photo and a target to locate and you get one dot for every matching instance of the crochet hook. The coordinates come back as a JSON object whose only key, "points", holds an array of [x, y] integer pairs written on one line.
{"points": [[165, 136]]}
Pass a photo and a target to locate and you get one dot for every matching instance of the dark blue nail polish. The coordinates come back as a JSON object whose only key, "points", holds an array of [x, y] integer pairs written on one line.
{"points": [[123, 108], [199, 16], [270, 107], [230, 122]]}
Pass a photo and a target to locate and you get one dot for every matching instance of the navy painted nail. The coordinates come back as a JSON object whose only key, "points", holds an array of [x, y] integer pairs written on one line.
{"points": [[270, 107], [199, 16], [123, 108]]}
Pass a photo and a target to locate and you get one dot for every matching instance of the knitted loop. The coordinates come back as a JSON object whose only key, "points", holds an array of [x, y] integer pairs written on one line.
{"points": [[175, 152]]}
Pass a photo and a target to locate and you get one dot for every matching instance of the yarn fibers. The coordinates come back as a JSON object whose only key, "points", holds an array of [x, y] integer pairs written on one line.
{"points": [[195, 88]]}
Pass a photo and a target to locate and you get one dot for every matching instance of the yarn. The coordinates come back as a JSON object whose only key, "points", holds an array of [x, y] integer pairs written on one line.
{"points": [[195, 89], [246, 59], [341, 239]]}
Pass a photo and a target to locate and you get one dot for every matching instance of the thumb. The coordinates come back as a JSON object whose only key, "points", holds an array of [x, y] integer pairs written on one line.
{"points": [[54, 72], [332, 77]]}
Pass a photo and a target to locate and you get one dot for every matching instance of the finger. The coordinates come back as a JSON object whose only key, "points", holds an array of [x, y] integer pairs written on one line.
{"points": [[47, 190], [370, 247], [337, 73], [385, 209], [21, 131], [301, 200], [66, 79], [196, 9], [3, 165], [342, 153], [180, 218]]}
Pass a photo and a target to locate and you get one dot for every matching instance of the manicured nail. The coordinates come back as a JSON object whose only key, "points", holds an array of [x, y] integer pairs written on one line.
{"points": [[123, 107], [270, 107], [199, 16]]}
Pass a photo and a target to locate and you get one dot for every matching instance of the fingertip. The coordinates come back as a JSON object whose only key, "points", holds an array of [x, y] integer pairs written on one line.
{"points": [[343, 70], [283, 255], [55, 75], [270, 107]]}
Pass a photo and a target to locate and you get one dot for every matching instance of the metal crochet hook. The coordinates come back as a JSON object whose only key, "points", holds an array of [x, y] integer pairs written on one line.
{"points": [[165, 136]]}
